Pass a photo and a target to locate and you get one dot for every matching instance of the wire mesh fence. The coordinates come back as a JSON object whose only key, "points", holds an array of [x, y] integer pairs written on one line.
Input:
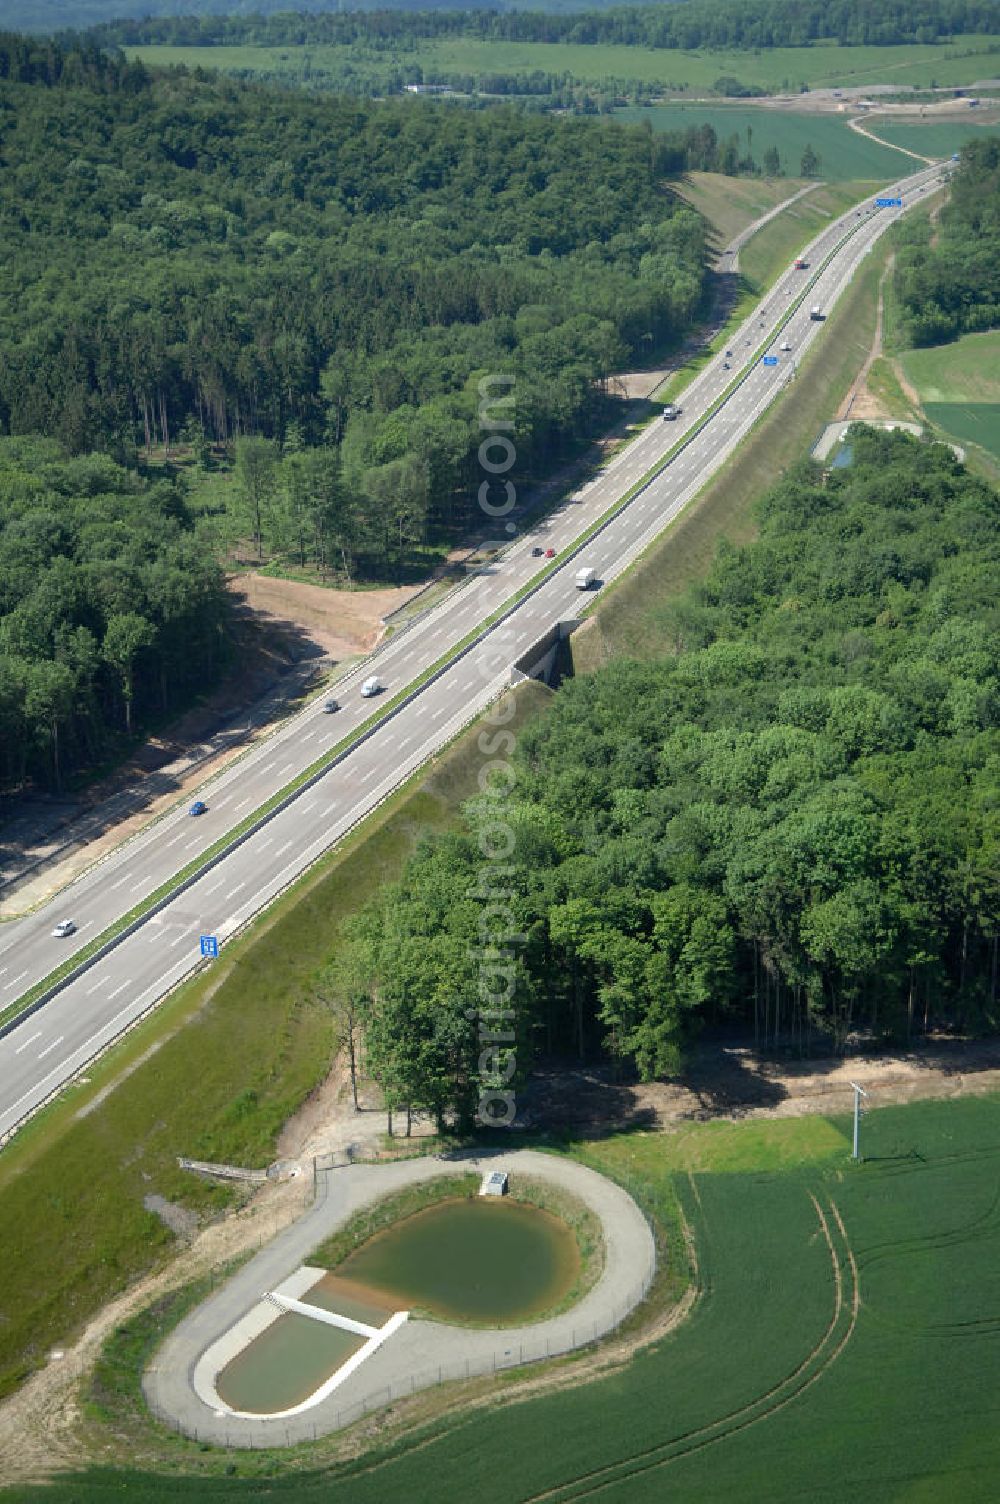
{"points": [[230, 1432]]}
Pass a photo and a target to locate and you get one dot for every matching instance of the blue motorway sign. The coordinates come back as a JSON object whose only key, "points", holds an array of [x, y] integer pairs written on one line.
{"points": [[770, 360], [888, 203], [210, 946]]}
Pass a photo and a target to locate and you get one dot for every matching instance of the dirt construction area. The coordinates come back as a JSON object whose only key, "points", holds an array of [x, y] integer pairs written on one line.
{"points": [[289, 638], [343, 623], [44, 1427]]}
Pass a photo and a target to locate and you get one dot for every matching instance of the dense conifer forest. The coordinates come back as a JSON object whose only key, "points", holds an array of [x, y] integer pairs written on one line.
{"points": [[315, 288], [789, 825], [109, 609]]}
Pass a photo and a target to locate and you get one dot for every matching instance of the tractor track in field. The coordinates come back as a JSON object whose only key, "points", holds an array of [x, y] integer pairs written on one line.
{"points": [[650, 1459]]}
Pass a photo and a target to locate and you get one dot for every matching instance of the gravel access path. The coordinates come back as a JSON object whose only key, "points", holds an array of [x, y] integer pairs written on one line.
{"points": [[421, 1353]]}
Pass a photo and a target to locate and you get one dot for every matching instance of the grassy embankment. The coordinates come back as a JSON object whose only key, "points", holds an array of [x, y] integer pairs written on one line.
{"points": [[843, 1341], [733, 203], [214, 1073]]}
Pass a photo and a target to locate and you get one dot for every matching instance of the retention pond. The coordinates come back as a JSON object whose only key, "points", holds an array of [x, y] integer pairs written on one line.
{"points": [[483, 1261]]}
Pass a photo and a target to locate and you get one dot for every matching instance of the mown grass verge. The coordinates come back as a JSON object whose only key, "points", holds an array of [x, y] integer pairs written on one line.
{"points": [[214, 1073], [769, 252]]}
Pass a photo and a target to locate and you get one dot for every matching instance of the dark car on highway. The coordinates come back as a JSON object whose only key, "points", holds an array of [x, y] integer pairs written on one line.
{"points": [[199, 807]]}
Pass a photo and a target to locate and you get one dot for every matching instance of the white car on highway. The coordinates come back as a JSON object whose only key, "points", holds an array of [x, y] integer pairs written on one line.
{"points": [[63, 928]]}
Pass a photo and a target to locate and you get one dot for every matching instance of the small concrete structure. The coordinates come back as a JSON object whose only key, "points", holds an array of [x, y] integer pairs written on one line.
{"points": [[273, 1304], [494, 1183]]}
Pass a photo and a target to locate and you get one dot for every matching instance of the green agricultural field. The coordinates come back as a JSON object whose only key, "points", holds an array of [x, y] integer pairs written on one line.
{"points": [[778, 68], [937, 138], [845, 1343], [967, 370], [959, 387], [843, 153], [968, 422]]}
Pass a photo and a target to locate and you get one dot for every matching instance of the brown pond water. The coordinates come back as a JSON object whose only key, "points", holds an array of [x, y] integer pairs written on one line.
{"points": [[484, 1260]]}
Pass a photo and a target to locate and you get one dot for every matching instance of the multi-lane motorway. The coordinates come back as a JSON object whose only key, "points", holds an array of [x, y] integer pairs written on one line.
{"points": [[53, 1044]]}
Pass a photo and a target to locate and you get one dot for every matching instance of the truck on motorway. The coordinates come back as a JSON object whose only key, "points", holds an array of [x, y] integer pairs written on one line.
{"points": [[670, 412], [586, 579], [816, 314]]}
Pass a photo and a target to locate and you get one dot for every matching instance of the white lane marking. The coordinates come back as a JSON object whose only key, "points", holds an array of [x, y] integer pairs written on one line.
{"points": [[243, 804], [37, 1035], [120, 881], [282, 849], [286, 767], [94, 988], [50, 1047], [182, 936], [263, 845], [217, 884], [8, 985], [195, 842], [235, 890], [120, 988], [167, 844], [266, 768]]}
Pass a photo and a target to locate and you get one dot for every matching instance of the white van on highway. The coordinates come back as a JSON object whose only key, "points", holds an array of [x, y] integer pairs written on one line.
{"points": [[371, 687]]}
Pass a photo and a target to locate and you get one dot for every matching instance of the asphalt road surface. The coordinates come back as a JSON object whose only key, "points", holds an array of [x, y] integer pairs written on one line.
{"points": [[53, 1044]]}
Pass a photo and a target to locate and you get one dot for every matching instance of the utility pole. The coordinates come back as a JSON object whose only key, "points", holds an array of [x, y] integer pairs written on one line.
{"points": [[859, 1092]]}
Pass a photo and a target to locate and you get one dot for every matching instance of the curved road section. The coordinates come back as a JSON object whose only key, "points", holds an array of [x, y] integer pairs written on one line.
{"points": [[604, 525], [418, 1354]]}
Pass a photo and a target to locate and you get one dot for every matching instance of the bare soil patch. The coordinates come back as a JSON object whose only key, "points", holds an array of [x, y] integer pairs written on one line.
{"points": [[343, 623], [638, 385], [291, 634]]}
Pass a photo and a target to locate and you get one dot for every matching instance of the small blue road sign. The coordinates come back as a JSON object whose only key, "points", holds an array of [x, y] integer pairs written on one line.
{"points": [[770, 360], [888, 203], [210, 945]]}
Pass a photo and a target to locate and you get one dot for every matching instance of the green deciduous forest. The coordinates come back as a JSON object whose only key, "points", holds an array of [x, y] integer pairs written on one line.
{"points": [[187, 254], [707, 23], [108, 609], [313, 290], [948, 275], [789, 824]]}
